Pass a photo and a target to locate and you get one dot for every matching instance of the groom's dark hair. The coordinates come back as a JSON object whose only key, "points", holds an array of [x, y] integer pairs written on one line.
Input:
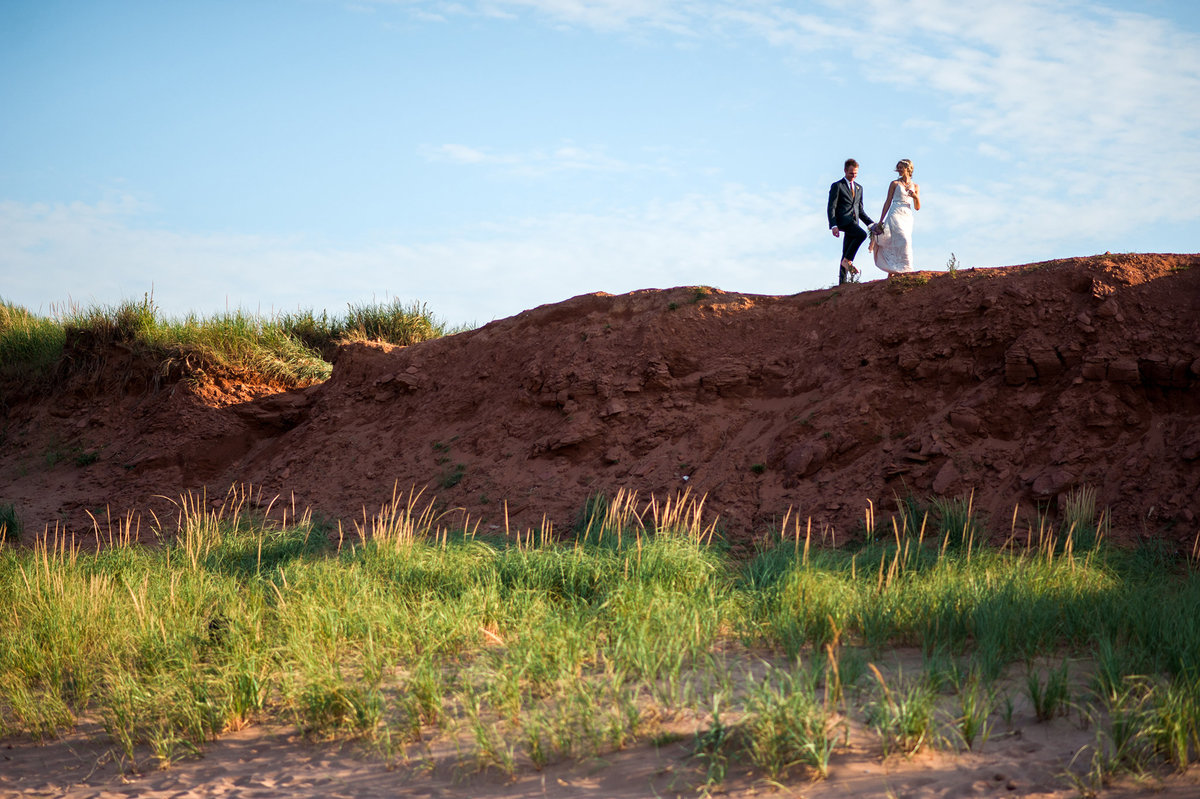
{"points": [[849, 163]]}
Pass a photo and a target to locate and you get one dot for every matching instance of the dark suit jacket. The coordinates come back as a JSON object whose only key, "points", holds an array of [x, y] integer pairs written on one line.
{"points": [[844, 210]]}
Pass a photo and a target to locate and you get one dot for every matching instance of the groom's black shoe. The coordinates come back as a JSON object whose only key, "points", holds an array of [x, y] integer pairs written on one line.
{"points": [[846, 272]]}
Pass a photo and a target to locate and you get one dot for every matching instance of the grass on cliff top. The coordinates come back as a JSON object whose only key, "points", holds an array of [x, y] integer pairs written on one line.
{"points": [[525, 650], [29, 345], [288, 348]]}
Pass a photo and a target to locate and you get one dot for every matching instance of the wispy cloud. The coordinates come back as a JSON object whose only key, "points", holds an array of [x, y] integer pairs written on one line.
{"points": [[1063, 79], [1074, 94], [1085, 101], [675, 16], [566, 157], [462, 154]]}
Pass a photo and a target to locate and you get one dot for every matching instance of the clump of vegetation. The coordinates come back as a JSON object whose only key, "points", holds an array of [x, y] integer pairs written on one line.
{"points": [[952, 265], [1052, 696], [902, 715], [452, 476], [958, 523], [1081, 526], [292, 349], [30, 346], [906, 282], [10, 523], [393, 322], [787, 723]]}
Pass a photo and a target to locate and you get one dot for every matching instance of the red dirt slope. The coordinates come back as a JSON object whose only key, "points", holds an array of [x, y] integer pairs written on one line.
{"points": [[1016, 383]]}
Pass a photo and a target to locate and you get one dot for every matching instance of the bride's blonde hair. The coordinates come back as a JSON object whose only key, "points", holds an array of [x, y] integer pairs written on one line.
{"points": [[904, 164]]}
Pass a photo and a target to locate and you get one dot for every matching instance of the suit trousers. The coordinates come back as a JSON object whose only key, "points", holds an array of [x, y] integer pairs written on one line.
{"points": [[852, 238]]}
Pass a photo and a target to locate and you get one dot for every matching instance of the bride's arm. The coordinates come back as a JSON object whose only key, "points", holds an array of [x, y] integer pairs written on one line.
{"points": [[916, 193], [888, 202]]}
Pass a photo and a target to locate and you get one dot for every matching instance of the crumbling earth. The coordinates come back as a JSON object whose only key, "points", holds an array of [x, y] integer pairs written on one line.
{"points": [[1010, 385]]}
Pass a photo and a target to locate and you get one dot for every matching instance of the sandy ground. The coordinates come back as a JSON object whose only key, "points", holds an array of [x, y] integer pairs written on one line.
{"points": [[1021, 757], [266, 762]]}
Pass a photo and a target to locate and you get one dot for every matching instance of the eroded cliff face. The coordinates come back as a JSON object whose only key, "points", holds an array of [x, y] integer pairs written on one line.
{"points": [[1013, 384]]}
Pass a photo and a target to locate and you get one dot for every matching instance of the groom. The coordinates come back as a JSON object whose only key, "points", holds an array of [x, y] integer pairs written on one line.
{"points": [[845, 210]]}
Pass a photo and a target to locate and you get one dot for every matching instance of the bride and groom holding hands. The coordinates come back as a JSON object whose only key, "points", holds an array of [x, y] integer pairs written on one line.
{"points": [[891, 237]]}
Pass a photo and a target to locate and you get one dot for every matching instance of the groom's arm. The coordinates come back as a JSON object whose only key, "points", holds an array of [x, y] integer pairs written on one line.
{"points": [[833, 193]]}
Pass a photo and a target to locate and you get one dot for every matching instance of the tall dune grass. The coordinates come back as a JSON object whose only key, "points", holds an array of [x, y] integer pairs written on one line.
{"points": [[529, 650], [30, 345], [289, 348]]}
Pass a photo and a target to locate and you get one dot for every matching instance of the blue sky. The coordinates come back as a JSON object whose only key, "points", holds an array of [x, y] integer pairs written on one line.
{"points": [[488, 156]]}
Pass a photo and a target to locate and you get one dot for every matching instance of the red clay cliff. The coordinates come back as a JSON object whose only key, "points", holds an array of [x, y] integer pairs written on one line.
{"points": [[1014, 384]]}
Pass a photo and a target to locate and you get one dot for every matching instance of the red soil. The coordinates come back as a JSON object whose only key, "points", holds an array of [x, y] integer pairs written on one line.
{"points": [[1016, 383]]}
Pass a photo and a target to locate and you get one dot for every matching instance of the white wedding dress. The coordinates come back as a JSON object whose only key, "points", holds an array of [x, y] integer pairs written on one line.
{"points": [[893, 245]]}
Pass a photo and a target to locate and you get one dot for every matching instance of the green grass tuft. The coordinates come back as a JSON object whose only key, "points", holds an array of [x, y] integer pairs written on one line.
{"points": [[30, 346], [10, 523], [289, 349]]}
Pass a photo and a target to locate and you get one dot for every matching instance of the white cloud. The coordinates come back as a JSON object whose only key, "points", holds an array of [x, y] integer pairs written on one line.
{"points": [[1060, 79], [1067, 91], [460, 154], [566, 157], [603, 15], [606, 15]]}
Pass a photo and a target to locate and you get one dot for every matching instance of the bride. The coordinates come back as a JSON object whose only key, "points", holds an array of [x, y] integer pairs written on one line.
{"points": [[891, 238]]}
